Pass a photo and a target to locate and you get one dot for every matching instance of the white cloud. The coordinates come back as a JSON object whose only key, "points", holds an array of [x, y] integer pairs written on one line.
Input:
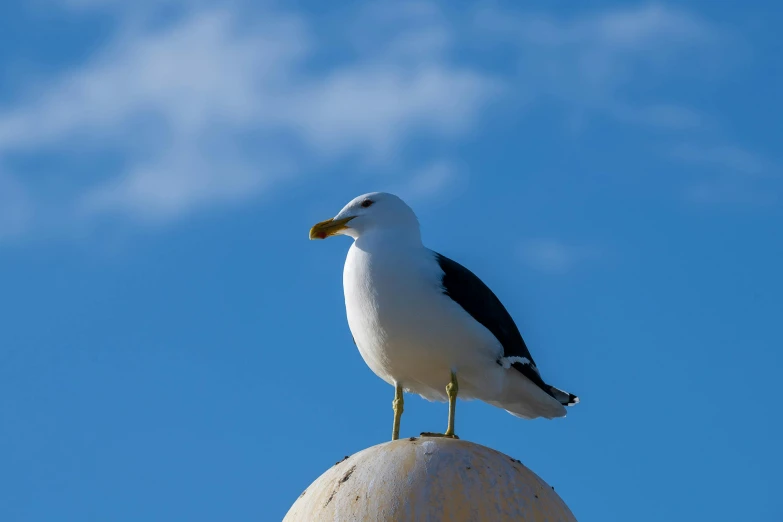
{"points": [[197, 73], [594, 61], [177, 182], [555, 256], [373, 108], [214, 106], [211, 109], [650, 30], [432, 180]]}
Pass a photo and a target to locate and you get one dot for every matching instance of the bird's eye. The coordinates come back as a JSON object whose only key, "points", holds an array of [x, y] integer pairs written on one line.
{"points": [[367, 203]]}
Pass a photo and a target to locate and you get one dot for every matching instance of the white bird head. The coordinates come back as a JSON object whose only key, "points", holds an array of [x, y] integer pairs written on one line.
{"points": [[376, 211]]}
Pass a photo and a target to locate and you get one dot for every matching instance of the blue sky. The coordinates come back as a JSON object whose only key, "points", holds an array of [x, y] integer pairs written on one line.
{"points": [[174, 348]]}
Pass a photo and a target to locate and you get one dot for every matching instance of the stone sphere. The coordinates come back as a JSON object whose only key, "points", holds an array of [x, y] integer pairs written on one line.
{"points": [[429, 479]]}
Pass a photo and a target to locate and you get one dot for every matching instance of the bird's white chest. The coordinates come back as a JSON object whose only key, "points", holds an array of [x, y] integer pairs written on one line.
{"points": [[405, 328]]}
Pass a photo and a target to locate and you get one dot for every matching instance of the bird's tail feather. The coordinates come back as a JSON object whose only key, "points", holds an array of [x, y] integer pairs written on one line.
{"points": [[563, 397], [523, 398]]}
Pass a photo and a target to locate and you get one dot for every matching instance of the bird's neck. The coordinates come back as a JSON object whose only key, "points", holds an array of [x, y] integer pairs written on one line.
{"points": [[389, 239]]}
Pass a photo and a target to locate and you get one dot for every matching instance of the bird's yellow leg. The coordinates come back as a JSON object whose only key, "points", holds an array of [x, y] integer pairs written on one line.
{"points": [[397, 406], [452, 389]]}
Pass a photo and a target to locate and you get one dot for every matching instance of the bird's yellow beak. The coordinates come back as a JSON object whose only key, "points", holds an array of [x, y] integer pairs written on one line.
{"points": [[329, 227]]}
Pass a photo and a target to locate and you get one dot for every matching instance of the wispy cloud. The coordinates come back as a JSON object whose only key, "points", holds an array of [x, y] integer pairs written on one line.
{"points": [[555, 256], [597, 61], [602, 64], [660, 116], [650, 28], [212, 106], [730, 174], [434, 179], [727, 157], [211, 109]]}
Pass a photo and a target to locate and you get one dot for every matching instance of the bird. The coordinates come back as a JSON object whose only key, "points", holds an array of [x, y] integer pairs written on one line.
{"points": [[427, 325]]}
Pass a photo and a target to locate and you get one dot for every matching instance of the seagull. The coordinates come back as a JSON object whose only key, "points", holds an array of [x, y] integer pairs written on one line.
{"points": [[426, 324]]}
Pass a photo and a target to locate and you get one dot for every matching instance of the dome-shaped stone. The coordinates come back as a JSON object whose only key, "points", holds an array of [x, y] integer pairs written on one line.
{"points": [[429, 479]]}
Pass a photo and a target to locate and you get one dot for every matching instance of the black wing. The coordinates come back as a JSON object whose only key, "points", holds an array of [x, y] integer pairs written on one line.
{"points": [[470, 292]]}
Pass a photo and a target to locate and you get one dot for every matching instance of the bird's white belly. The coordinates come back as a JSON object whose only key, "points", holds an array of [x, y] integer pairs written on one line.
{"points": [[408, 332]]}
